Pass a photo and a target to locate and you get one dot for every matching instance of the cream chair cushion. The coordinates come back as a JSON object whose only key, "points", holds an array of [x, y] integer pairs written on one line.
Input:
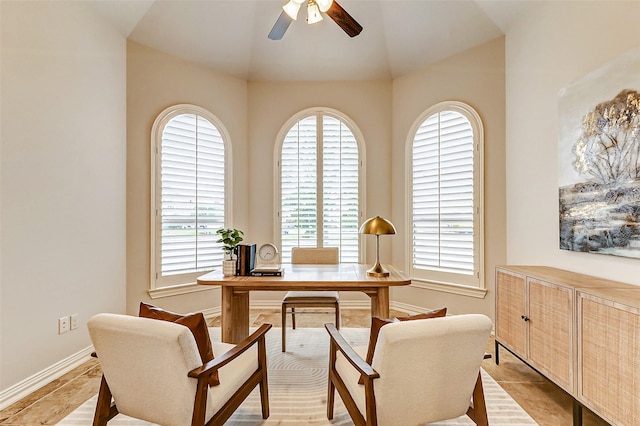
{"points": [[428, 368]]}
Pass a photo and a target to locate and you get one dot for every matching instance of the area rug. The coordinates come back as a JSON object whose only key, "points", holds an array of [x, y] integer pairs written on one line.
{"points": [[298, 386]]}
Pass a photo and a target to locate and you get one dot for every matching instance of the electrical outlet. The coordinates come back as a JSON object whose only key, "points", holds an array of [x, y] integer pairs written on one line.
{"points": [[75, 319], [63, 325]]}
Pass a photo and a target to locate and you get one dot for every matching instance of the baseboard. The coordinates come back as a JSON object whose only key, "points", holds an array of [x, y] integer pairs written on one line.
{"points": [[43, 378], [211, 312], [410, 309]]}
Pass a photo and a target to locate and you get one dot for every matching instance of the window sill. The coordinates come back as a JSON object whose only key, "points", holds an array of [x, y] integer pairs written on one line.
{"points": [[176, 290], [462, 290]]}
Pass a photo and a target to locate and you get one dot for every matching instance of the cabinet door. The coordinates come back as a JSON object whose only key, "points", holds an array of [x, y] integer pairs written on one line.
{"points": [[551, 331], [511, 329], [609, 360]]}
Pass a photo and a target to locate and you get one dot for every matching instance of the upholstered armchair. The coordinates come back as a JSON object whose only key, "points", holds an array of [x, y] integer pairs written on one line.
{"points": [[422, 371], [154, 372]]}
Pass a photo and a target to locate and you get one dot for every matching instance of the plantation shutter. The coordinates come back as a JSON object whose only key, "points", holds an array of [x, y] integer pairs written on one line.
{"points": [[192, 186], [299, 187], [340, 189], [443, 194], [320, 187]]}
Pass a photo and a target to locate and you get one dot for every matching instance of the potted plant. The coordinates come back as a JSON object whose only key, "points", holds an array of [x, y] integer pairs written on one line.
{"points": [[230, 238]]}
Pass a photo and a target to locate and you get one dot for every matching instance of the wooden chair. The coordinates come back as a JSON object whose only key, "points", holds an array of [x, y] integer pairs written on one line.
{"points": [[154, 372], [423, 371], [310, 299]]}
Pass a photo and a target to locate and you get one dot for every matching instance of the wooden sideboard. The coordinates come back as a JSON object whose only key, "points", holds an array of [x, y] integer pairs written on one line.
{"points": [[581, 332]]}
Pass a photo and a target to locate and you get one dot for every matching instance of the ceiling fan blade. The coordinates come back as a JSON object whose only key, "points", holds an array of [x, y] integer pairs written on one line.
{"points": [[280, 27], [344, 20]]}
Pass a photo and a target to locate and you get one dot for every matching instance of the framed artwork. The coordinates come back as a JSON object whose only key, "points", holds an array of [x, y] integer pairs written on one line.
{"points": [[599, 160]]}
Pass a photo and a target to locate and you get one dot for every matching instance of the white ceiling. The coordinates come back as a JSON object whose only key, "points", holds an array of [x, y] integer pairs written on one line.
{"points": [[230, 36]]}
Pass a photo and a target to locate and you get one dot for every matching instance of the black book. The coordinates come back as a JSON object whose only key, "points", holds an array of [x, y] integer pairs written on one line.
{"points": [[267, 272], [246, 259]]}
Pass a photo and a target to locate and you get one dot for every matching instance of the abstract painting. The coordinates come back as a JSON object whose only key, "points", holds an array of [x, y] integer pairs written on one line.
{"points": [[599, 160]]}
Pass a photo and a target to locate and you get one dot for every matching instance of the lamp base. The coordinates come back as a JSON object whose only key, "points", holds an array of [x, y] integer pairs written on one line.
{"points": [[377, 271]]}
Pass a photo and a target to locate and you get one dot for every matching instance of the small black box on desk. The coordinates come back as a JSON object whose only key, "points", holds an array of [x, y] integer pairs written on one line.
{"points": [[246, 259]]}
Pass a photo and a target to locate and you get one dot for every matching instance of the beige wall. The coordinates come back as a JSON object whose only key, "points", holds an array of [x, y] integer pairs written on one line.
{"points": [[475, 77], [271, 104], [156, 81], [554, 46], [63, 180]]}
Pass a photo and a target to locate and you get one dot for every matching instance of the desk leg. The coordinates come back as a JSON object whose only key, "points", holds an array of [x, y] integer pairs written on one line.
{"points": [[235, 315], [380, 302]]}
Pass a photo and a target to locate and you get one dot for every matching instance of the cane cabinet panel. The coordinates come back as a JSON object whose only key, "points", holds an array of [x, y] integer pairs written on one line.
{"points": [[609, 347], [511, 330], [551, 331]]}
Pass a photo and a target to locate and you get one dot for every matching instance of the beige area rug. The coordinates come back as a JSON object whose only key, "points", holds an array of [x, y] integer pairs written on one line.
{"points": [[298, 386]]}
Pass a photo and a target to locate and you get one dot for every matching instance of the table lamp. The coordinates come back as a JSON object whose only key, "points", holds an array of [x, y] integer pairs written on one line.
{"points": [[377, 226]]}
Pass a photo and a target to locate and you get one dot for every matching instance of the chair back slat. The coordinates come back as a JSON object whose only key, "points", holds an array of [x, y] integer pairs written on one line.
{"points": [[315, 256]]}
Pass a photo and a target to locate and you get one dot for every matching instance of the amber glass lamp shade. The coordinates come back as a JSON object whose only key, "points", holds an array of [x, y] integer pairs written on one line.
{"points": [[377, 226]]}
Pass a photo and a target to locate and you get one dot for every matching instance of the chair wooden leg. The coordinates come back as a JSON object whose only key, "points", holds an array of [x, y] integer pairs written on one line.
{"points": [[105, 410], [370, 403], [337, 316], [200, 402], [331, 390], [478, 413], [293, 318], [264, 384], [284, 327]]}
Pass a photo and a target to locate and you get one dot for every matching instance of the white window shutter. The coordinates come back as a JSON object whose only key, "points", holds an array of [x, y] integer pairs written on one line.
{"points": [[340, 189], [443, 194], [320, 187], [192, 183], [299, 210]]}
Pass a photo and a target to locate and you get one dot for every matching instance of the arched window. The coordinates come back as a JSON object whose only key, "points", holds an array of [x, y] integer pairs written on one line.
{"points": [[189, 189], [445, 158], [320, 184]]}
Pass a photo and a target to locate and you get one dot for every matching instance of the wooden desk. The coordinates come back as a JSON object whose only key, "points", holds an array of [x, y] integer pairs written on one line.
{"points": [[341, 277]]}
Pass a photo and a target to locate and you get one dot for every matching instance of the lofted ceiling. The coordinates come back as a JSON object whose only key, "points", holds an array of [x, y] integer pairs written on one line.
{"points": [[230, 36]]}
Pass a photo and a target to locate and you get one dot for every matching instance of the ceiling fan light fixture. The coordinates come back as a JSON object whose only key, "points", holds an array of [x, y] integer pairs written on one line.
{"points": [[315, 9], [324, 5], [292, 9], [313, 13]]}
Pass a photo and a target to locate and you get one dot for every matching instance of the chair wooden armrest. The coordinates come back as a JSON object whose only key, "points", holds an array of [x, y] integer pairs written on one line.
{"points": [[337, 343], [351, 355], [227, 357], [259, 377]]}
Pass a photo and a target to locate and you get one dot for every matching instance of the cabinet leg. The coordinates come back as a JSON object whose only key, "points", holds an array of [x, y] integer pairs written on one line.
{"points": [[577, 413], [497, 353]]}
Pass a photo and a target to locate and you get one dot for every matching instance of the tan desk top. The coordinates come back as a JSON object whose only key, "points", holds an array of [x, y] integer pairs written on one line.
{"points": [[300, 277]]}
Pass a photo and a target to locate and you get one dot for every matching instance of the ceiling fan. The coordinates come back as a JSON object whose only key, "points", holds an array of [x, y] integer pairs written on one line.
{"points": [[314, 7]]}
